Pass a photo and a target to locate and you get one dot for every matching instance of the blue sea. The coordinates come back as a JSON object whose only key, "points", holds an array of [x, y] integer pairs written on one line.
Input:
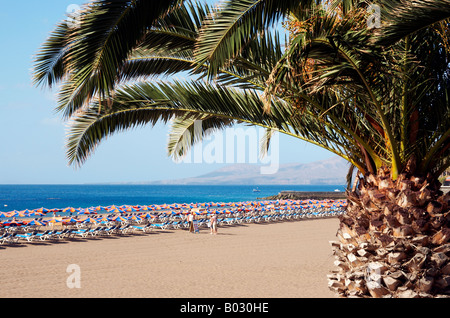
{"points": [[21, 197]]}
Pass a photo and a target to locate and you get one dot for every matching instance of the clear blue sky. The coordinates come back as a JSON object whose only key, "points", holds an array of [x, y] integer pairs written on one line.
{"points": [[32, 134]]}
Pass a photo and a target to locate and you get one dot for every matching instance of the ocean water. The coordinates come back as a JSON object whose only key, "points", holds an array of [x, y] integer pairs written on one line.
{"points": [[21, 197]]}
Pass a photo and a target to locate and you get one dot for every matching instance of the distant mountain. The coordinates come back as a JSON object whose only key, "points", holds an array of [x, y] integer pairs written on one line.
{"points": [[330, 171]]}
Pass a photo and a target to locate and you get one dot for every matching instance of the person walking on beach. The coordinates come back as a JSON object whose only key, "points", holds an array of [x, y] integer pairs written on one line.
{"points": [[191, 221], [213, 221]]}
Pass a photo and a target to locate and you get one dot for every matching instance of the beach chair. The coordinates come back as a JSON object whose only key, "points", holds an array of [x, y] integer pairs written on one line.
{"points": [[248, 219], [93, 232], [42, 236], [64, 233], [144, 228], [229, 221], [122, 229], [5, 237], [110, 230], [101, 230], [177, 224], [80, 232], [161, 226], [57, 234], [2, 236], [13, 238], [201, 223], [239, 220], [219, 221], [49, 235], [27, 236]]}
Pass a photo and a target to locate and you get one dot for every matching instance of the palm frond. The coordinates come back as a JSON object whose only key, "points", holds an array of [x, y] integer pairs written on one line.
{"points": [[219, 107], [264, 143], [107, 33], [228, 30], [153, 65], [50, 61], [190, 129], [402, 18]]}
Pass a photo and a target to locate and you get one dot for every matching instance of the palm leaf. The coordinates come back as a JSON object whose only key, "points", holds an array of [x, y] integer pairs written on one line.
{"points": [[227, 31], [403, 18], [146, 103], [50, 62], [190, 129], [264, 143], [93, 52]]}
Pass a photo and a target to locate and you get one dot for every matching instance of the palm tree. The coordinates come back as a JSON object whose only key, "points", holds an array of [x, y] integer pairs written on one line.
{"points": [[377, 97]]}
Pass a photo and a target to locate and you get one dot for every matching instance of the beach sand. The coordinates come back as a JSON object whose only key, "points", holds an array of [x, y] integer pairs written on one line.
{"points": [[275, 260]]}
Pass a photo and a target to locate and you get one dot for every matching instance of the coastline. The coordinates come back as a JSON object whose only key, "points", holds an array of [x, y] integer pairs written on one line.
{"points": [[306, 195], [317, 195]]}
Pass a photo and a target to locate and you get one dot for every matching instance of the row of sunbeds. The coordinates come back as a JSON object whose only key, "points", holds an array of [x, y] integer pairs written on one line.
{"points": [[159, 224], [61, 234], [297, 215]]}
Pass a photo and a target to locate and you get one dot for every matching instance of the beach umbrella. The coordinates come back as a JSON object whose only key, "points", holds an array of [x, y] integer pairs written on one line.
{"points": [[12, 223], [103, 219], [119, 219], [115, 210], [71, 220], [134, 218], [89, 220], [147, 216], [35, 223], [173, 212], [14, 213], [68, 209], [25, 213], [100, 208], [36, 213], [85, 211]]}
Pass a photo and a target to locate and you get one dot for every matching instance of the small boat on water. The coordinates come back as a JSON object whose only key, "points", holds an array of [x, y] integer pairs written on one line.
{"points": [[256, 190]]}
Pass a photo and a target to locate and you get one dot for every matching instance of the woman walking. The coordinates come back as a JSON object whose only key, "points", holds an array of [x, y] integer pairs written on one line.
{"points": [[191, 222], [213, 221]]}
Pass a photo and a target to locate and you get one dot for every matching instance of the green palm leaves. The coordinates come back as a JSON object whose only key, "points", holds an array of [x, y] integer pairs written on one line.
{"points": [[90, 56], [372, 96]]}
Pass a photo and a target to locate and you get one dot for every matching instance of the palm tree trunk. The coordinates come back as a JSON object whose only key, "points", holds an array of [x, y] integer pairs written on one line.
{"points": [[393, 240]]}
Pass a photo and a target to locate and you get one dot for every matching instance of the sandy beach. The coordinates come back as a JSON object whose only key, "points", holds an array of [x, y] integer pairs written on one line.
{"points": [[275, 260]]}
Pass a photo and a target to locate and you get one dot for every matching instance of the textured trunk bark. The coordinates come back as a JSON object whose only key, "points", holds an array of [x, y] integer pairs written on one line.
{"points": [[393, 240]]}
